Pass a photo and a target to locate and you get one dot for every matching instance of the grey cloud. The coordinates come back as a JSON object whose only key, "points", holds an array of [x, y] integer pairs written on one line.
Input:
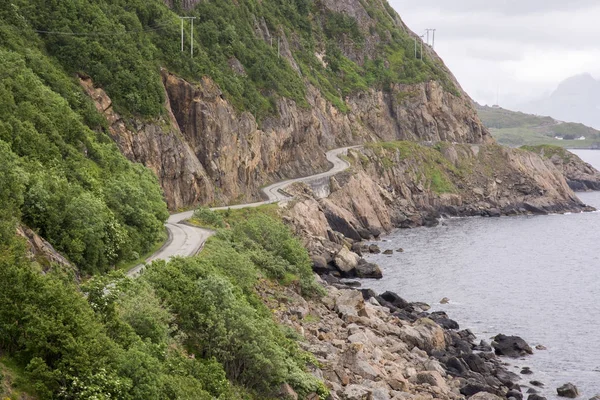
{"points": [[508, 7]]}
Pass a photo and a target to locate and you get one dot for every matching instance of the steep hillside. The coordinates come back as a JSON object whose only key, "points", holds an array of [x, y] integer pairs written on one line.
{"points": [[270, 86], [512, 128]]}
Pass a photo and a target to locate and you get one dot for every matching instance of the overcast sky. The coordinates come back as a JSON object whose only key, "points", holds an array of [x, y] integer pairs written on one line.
{"points": [[524, 47]]}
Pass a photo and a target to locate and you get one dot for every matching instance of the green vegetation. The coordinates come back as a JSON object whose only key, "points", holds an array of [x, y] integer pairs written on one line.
{"points": [[435, 170], [122, 46], [191, 329], [549, 151], [206, 218], [516, 129]]}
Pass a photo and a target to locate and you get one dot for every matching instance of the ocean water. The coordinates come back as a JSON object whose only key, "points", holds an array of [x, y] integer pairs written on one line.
{"points": [[537, 277]]}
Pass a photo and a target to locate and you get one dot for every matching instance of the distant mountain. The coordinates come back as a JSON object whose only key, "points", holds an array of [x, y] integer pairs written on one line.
{"points": [[576, 99], [513, 128]]}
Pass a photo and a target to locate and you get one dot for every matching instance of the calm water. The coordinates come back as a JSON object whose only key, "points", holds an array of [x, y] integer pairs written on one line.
{"points": [[537, 277]]}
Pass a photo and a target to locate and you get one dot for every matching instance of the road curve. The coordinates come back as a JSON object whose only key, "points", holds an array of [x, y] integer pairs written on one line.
{"points": [[186, 240]]}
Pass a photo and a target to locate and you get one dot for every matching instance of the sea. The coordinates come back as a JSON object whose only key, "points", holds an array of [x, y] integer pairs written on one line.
{"points": [[537, 277]]}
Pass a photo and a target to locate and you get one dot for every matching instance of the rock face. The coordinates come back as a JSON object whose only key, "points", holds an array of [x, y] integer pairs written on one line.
{"points": [[38, 249], [405, 184], [580, 175], [206, 152]]}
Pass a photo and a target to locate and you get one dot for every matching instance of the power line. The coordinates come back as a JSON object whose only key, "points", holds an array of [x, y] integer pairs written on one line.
{"points": [[152, 29]]}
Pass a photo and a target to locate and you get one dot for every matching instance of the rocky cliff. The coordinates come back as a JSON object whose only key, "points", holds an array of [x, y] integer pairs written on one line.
{"points": [[406, 184], [580, 175], [205, 151]]}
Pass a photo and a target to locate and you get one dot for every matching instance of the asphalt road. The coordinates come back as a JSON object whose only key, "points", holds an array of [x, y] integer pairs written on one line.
{"points": [[186, 240]]}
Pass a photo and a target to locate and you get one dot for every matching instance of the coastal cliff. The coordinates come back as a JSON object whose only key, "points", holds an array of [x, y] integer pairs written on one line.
{"points": [[406, 184]]}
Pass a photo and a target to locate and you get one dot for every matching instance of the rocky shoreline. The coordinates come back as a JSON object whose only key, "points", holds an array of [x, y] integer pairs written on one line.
{"points": [[382, 347], [371, 346]]}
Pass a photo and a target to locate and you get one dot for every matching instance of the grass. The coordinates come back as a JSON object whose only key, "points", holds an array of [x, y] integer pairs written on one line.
{"points": [[429, 162], [127, 265], [516, 129], [205, 218], [13, 385], [549, 151]]}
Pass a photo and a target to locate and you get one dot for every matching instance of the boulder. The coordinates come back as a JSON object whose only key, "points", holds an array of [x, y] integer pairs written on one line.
{"points": [[388, 252], [374, 249], [368, 270], [568, 390], [346, 261], [432, 378], [356, 392], [536, 383], [320, 265], [442, 319], [535, 397], [349, 303], [400, 250], [485, 396], [394, 299], [526, 371], [510, 346], [514, 394]]}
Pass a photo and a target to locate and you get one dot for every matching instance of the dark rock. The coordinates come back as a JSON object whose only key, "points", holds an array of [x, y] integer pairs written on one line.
{"points": [[541, 347], [405, 315], [457, 366], [526, 371], [510, 346], [400, 250], [473, 387], [420, 307], [340, 224], [320, 265], [494, 212], [442, 319], [368, 270], [330, 279], [532, 390], [333, 237], [368, 293], [476, 364], [374, 249], [483, 346], [353, 284], [357, 248], [537, 383], [568, 390], [388, 252], [395, 300], [515, 393], [596, 397], [535, 397], [363, 233], [376, 232]]}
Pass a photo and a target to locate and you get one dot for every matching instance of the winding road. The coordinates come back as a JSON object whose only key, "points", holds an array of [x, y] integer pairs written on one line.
{"points": [[186, 240]]}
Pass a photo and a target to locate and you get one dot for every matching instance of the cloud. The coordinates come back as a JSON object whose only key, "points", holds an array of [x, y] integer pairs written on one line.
{"points": [[507, 7], [524, 47]]}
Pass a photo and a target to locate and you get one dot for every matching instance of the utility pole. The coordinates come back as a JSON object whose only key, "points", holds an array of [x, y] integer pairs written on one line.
{"points": [[415, 46], [191, 34], [432, 45], [422, 38], [182, 35]]}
